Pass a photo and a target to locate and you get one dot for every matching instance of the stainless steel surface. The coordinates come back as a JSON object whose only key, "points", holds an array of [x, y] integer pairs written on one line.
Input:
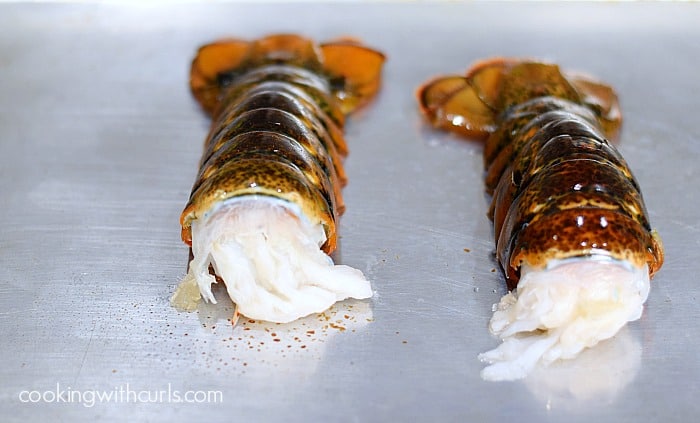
{"points": [[99, 142]]}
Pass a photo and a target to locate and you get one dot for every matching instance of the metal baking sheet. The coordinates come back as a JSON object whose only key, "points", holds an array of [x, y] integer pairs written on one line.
{"points": [[100, 140]]}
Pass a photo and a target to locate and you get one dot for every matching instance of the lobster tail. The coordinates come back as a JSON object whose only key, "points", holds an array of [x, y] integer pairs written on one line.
{"points": [[281, 83], [262, 214], [572, 233]]}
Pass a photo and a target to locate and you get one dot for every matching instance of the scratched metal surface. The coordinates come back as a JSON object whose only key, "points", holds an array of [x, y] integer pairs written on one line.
{"points": [[99, 142]]}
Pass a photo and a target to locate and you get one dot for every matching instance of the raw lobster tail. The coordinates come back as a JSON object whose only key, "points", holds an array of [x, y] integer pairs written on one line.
{"points": [[561, 193], [290, 96], [278, 106]]}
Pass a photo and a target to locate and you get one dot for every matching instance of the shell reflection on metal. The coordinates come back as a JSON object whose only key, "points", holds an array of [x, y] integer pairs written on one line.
{"points": [[562, 198], [266, 200]]}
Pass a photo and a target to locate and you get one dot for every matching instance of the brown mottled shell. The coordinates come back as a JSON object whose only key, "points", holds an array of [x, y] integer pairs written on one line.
{"points": [[560, 188], [565, 191], [278, 107]]}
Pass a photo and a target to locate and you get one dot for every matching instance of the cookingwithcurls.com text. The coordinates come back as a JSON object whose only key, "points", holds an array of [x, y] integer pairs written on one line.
{"points": [[119, 394]]}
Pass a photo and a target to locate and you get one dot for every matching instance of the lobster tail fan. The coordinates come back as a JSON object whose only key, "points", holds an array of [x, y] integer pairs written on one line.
{"points": [[452, 103], [487, 77], [354, 70], [211, 61], [224, 57]]}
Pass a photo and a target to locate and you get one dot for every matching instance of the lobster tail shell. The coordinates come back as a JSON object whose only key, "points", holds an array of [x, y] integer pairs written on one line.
{"points": [[560, 189], [278, 106]]}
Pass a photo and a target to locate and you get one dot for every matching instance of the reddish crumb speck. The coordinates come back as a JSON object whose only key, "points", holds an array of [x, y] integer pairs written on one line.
{"points": [[334, 326]]}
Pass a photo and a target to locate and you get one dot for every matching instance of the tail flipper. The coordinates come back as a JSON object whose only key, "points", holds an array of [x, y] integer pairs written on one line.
{"points": [[353, 70], [466, 104], [211, 61], [452, 103]]}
